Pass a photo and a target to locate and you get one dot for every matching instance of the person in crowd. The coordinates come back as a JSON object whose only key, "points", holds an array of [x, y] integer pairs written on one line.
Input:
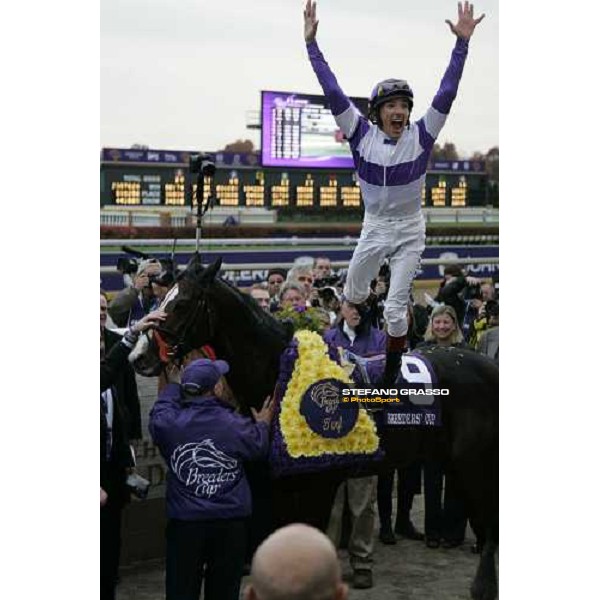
{"points": [[296, 562], [390, 154], [451, 286], [323, 271], [304, 274], [477, 326], [133, 302], [125, 384], [363, 340], [117, 426], [330, 301], [489, 343], [260, 293], [293, 295], [204, 443], [445, 523], [161, 284], [275, 279]]}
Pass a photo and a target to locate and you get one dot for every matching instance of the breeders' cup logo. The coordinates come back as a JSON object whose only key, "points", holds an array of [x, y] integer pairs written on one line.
{"points": [[321, 407], [325, 396], [203, 468]]}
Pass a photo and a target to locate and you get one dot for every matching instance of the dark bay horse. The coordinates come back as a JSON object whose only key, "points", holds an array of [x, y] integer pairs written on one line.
{"points": [[208, 310]]}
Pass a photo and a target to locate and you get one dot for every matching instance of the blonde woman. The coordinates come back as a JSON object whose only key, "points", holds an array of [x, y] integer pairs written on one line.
{"points": [[443, 329], [445, 523]]}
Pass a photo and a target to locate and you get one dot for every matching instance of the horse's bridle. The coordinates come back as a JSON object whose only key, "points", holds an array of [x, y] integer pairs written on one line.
{"points": [[178, 350]]}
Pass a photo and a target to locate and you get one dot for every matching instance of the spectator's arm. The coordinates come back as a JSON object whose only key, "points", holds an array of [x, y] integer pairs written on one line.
{"points": [[451, 289], [165, 410], [121, 304]]}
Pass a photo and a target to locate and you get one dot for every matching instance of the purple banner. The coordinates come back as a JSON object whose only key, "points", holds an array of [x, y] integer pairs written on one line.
{"points": [[458, 166], [176, 157]]}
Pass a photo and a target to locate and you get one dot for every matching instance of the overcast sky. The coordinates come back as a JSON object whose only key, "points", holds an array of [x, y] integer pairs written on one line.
{"points": [[182, 74]]}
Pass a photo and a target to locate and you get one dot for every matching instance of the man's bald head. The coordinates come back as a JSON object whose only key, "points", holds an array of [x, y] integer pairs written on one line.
{"points": [[296, 562]]}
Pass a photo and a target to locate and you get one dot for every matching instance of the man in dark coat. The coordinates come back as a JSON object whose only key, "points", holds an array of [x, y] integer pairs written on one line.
{"points": [[118, 425]]}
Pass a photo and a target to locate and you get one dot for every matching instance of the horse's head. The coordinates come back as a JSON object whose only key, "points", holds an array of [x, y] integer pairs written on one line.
{"points": [[207, 310], [189, 324]]}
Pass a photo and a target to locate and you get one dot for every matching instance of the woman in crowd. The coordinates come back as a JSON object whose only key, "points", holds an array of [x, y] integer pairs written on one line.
{"points": [[445, 523]]}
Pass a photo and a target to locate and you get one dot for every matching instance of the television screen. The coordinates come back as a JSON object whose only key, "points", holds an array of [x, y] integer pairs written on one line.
{"points": [[298, 130]]}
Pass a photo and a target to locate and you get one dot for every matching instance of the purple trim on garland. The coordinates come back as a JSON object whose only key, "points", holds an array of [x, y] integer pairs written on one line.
{"points": [[281, 462]]}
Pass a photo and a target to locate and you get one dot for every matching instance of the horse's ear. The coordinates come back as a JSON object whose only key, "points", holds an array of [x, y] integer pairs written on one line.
{"points": [[212, 271], [195, 264]]}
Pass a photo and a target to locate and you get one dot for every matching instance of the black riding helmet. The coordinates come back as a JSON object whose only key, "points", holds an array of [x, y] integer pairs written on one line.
{"points": [[386, 90]]}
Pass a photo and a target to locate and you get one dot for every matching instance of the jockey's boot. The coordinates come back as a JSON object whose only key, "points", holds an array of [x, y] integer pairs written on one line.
{"points": [[367, 308], [396, 346]]}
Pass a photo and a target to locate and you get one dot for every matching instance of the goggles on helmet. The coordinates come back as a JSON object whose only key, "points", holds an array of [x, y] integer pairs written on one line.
{"points": [[384, 91]]}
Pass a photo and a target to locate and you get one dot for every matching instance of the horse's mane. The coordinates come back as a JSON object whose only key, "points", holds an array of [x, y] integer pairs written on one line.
{"points": [[250, 317]]}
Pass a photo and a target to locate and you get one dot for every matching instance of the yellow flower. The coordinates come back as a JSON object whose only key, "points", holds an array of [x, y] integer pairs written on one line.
{"points": [[313, 364]]}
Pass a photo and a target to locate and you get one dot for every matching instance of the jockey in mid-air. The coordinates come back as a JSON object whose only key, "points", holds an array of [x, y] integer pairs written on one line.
{"points": [[390, 154]]}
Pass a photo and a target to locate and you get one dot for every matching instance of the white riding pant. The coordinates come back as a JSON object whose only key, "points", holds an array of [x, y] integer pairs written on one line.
{"points": [[403, 241]]}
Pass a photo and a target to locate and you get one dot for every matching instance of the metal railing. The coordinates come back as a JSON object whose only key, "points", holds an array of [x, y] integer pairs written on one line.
{"points": [[336, 264]]}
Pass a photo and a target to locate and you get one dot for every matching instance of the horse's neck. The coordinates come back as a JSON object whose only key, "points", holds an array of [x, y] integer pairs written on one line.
{"points": [[254, 366]]}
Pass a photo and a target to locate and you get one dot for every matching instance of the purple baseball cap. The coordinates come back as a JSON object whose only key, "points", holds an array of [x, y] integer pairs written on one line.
{"points": [[201, 375]]}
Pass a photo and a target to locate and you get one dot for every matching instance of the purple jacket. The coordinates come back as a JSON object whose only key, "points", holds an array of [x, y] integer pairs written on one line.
{"points": [[367, 343], [204, 444]]}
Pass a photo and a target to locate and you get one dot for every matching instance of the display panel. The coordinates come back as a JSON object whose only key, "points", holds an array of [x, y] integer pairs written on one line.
{"points": [[299, 130]]}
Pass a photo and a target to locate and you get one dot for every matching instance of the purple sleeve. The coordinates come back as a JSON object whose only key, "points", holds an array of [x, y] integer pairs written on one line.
{"points": [[165, 408], [338, 100], [449, 86], [252, 438]]}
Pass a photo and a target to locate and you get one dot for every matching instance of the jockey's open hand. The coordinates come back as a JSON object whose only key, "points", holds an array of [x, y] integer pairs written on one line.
{"points": [[265, 413], [310, 21], [466, 24]]}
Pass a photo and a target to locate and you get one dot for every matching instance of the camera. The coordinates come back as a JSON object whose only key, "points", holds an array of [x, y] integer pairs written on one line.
{"points": [[472, 292], [127, 266], [137, 485], [202, 163], [330, 281]]}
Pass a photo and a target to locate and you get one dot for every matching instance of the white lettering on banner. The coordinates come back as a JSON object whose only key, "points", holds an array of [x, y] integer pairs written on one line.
{"points": [[483, 268], [236, 276], [394, 418]]}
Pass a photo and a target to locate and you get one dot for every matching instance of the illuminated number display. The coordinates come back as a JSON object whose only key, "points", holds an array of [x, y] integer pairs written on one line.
{"points": [[438, 194], [127, 192], [206, 192], [459, 194], [351, 195], [328, 194], [255, 194], [175, 192], [280, 194], [229, 193], [305, 193]]}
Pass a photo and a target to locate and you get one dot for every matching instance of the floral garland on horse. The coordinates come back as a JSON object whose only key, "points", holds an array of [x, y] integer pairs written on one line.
{"points": [[313, 429]]}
